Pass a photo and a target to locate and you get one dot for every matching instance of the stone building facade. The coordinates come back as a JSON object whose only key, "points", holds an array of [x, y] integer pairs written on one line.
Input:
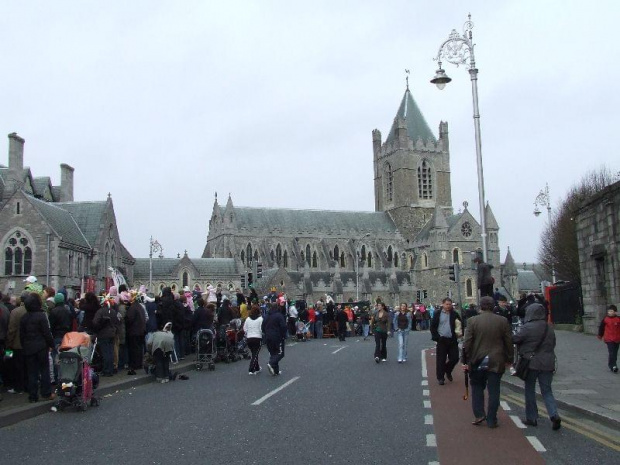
{"points": [[44, 232], [598, 235], [402, 251]]}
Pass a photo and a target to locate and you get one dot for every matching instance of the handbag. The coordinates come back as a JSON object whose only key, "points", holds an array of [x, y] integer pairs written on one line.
{"points": [[522, 369]]}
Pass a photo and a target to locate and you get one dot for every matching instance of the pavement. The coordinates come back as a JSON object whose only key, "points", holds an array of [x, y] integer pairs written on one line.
{"points": [[583, 383]]}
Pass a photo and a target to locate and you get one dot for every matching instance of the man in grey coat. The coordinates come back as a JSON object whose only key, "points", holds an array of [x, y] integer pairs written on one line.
{"points": [[487, 349], [542, 363]]}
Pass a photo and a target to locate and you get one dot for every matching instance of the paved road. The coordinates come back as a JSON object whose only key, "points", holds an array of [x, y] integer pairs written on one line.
{"points": [[334, 405]]}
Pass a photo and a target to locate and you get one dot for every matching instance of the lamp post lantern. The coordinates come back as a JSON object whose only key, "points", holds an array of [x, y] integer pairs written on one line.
{"points": [[153, 247], [544, 199], [459, 50]]}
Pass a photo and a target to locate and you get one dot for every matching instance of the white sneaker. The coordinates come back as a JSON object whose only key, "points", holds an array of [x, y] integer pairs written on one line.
{"points": [[400, 361], [251, 373], [377, 359], [384, 359]]}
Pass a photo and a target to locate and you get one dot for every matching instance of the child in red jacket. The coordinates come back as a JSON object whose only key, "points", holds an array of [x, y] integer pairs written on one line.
{"points": [[609, 332]]}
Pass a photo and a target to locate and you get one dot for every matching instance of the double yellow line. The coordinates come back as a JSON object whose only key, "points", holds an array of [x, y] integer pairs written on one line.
{"points": [[611, 441]]}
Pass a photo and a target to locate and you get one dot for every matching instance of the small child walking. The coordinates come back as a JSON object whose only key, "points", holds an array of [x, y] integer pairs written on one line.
{"points": [[609, 332]]}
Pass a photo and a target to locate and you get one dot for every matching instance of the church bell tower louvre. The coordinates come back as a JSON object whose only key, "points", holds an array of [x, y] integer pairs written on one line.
{"points": [[411, 169]]}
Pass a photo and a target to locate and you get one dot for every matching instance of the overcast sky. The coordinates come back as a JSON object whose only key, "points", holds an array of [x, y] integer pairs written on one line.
{"points": [[164, 103]]}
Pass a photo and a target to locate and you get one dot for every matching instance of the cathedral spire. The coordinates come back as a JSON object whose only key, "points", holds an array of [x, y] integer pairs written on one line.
{"points": [[416, 125]]}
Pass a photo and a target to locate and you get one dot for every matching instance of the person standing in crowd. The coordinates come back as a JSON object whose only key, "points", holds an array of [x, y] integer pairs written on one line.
{"points": [[485, 280], [13, 342], [61, 321], [120, 343], [609, 332], [37, 340], [311, 320], [274, 328], [381, 326], [224, 313], [291, 321], [252, 327], [178, 320], [419, 315], [341, 320], [365, 322], [536, 339], [318, 324], [402, 323], [135, 329], [4, 329], [443, 332], [89, 305], [487, 349], [105, 323], [503, 309]]}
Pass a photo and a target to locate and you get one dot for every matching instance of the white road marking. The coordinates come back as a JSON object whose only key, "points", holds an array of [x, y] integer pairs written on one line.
{"points": [[517, 421], [424, 372], [428, 419], [275, 391], [431, 440], [426, 392], [427, 404], [424, 382], [433, 463], [291, 344], [536, 444], [336, 351], [505, 405]]}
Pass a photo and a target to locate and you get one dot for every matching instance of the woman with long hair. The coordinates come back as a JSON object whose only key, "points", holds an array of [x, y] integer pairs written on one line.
{"points": [[402, 323], [381, 325], [253, 333]]}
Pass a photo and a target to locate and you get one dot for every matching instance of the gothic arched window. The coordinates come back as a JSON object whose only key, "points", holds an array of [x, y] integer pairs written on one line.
{"points": [[336, 253], [424, 261], [285, 259], [342, 260], [389, 254], [308, 254], [243, 257], [469, 288], [396, 260], [363, 253], [272, 255], [185, 279], [315, 262], [425, 181], [369, 259], [248, 253], [278, 254], [456, 256], [389, 182]]}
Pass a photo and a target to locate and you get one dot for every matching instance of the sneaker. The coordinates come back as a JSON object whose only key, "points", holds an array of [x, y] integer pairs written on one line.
{"points": [[615, 369], [441, 382], [527, 422], [270, 368], [279, 373], [377, 359], [251, 373], [556, 423], [404, 360], [384, 359], [400, 361], [449, 376], [13, 391]]}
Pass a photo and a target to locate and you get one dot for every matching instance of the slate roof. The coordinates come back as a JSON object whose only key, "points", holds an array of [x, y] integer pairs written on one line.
{"points": [[61, 221], [300, 221], [417, 128], [205, 266], [528, 280], [510, 268], [87, 215], [39, 185]]}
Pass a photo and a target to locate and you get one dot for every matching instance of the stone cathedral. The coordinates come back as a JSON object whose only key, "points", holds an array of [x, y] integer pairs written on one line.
{"points": [[400, 252]]}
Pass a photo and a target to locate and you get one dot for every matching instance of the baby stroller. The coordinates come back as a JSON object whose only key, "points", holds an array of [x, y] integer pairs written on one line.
{"points": [[205, 349], [224, 344], [241, 345], [77, 379], [302, 330]]}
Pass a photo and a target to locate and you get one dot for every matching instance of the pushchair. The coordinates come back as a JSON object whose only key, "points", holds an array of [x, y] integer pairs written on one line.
{"points": [[302, 331], [205, 349], [225, 344], [241, 345], [77, 379]]}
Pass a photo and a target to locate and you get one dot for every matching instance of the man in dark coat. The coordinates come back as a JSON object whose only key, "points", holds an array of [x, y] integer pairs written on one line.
{"points": [[274, 328], [443, 332], [485, 280], [105, 323], [37, 340], [135, 323], [487, 349]]}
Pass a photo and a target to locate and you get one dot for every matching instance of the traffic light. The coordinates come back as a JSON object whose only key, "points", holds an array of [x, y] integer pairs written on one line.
{"points": [[259, 270], [243, 280], [452, 272]]}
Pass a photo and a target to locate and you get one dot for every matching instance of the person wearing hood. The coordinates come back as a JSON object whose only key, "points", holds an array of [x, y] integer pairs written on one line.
{"points": [[37, 340], [609, 332], [106, 323], [165, 309], [274, 328], [252, 327], [224, 314], [536, 332]]}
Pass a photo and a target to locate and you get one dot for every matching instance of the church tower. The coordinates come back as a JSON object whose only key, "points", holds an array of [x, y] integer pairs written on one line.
{"points": [[411, 169]]}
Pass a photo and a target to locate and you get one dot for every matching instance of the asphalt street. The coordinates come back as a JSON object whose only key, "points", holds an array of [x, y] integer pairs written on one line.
{"points": [[332, 405]]}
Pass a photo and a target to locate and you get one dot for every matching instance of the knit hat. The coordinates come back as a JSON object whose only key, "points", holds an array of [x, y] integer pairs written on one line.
{"points": [[59, 298]]}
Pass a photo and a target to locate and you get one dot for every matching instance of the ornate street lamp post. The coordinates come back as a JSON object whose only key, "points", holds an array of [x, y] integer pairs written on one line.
{"points": [[544, 199], [154, 247], [459, 50]]}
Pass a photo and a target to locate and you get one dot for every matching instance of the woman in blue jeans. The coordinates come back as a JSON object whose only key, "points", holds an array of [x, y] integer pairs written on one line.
{"points": [[402, 323], [536, 338]]}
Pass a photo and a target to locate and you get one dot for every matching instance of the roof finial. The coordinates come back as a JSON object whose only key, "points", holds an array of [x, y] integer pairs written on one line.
{"points": [[407, 78], [216, 196]]}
